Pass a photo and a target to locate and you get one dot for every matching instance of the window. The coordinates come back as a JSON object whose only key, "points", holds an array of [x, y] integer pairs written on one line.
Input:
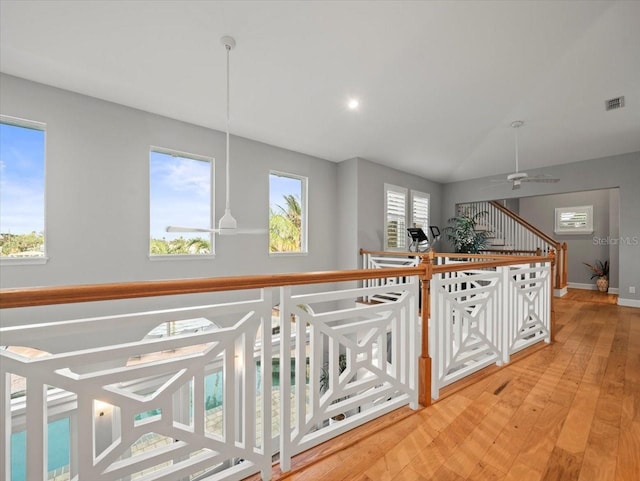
{"points": [[574, 220], [420, 210], [180, 195], [395, 217], [287, 213], [22, 225]]}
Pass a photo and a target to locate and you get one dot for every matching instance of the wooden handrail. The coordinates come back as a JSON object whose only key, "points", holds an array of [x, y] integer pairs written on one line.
{"points": [[42, 296], [395, 253], [519, 251], [425, 255], [509, 260], [524, 223]]}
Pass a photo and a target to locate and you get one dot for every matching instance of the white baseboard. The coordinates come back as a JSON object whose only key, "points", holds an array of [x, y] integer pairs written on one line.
{"points": [[560, 292], [629, 302], [579, 285], [590, 287]]}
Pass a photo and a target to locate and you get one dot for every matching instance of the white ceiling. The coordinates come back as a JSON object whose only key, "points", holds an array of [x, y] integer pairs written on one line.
{"points": [[439, 82]]}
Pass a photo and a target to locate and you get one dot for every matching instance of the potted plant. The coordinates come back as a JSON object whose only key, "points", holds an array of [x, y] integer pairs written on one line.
{"points": [[324, 382], [601, 271], [465, 235]]}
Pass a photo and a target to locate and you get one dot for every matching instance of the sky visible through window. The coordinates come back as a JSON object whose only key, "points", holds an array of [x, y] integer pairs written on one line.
{"points": [[279, 186], [21, 180], [180, 195]]}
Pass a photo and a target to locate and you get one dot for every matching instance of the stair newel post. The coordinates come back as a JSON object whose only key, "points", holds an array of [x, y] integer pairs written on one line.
{"points": [[552, 321], [564, 264], [424, 365]]}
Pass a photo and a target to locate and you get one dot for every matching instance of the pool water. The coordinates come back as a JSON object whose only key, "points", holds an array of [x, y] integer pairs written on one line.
{"points": [[58, 455]]}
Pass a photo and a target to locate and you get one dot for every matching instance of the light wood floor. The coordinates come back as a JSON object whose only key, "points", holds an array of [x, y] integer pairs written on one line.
{"points": [[584, 295], [569, 411]]}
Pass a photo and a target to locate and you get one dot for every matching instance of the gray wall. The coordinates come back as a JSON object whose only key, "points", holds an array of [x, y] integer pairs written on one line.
{"points": [[621, 171], [97, 193], [97, 201], [540, 211], [348, 214], [371, 180]]}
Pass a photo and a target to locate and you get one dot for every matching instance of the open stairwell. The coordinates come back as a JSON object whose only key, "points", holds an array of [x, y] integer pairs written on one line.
{"points": [[510, 234]]}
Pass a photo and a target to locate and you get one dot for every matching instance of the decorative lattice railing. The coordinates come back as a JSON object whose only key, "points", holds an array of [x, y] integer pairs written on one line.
{"points": [[480, 309], [482, 316], [204, 392]]}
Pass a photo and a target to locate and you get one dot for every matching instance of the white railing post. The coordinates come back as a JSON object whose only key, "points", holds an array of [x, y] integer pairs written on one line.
{"points": [[506, 313], [285, 379], [36, 453]]}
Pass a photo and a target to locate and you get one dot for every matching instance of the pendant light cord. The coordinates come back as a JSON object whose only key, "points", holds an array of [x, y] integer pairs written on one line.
{"points": [[228, 202], [516, 150]]}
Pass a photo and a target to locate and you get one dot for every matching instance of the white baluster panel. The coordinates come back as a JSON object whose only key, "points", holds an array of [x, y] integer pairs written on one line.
{"points": [[529, 308], [465, 324], [136, 401], [348, 350]]}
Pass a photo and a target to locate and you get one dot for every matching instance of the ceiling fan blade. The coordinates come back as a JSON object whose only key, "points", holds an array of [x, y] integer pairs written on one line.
{"points": [[549, 180], [177, 228]]}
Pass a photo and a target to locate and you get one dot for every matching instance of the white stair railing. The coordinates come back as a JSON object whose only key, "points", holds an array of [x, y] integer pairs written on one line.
{"points": [[513, 235]]}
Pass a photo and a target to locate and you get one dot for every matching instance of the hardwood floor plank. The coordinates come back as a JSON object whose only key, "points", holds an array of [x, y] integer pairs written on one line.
{"points": [[506, 447], [539, 445], [577, 425], [600, 456], [628, 462], [523, 472], [562, 466], [486, 472]]}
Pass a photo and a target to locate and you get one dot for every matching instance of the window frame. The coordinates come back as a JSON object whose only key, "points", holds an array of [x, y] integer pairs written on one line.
{"points": [[304, 199], [402, 234], [587, 210], [41, 126], [198, 157]]}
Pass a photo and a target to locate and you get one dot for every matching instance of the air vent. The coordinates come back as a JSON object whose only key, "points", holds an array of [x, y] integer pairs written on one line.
{"points": [[616, 103]]}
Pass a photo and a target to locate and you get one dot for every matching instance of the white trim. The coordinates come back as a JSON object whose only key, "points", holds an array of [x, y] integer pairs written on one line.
{"points": [[560, 292], [629, 302], [287, 254], [18, 122], [591, 287], [580, 285], [23, 261], [181, 257], [583, 209]]}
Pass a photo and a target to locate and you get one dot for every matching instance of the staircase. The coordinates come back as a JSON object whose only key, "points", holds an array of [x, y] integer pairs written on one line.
{"points": [[510, 234]]}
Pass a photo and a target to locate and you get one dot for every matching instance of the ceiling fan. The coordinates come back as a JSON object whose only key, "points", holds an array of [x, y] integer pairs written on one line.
{"points": [[518, 177], [227, 225]]}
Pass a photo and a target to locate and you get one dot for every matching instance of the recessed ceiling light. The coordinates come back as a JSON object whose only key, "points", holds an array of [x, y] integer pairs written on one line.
{"points": [[353, 104]]}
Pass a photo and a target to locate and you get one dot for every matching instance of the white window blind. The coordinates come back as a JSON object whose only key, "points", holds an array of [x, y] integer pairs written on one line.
{"points": [[420, 210], [395, 215]]}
